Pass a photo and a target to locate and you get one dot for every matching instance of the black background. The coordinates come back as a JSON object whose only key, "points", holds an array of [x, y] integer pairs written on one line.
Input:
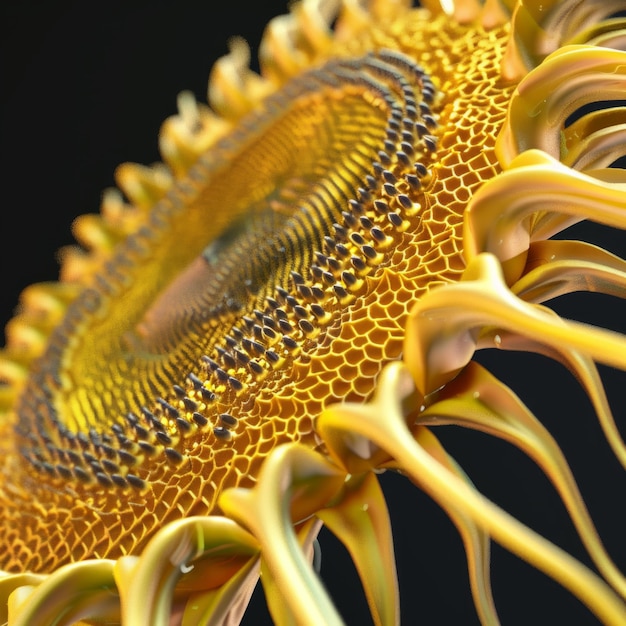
{"points": [[85, 87]]}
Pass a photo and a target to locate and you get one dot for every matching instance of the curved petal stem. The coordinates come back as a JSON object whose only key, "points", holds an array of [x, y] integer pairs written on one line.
{"points": [[556, 267], [388, 430], [291, 471], [565, 81], [476, 543], [499, 216], [77, 591], [476, 399], [147, 583], [443, 326], [581, 366], [359, 518]]}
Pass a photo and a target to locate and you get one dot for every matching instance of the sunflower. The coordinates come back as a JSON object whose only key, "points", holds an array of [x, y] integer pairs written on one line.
{"points": [[286, 312]]}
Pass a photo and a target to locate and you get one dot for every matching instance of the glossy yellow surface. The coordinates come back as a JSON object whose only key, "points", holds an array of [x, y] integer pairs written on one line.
{"points": [[333, 237]]}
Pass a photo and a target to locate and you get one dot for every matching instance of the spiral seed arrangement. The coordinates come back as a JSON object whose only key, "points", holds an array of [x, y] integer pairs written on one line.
{"points": [[254, 329]]}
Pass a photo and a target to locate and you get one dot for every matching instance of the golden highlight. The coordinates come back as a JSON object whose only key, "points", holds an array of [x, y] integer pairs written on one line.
{"points": [[259, 337]]}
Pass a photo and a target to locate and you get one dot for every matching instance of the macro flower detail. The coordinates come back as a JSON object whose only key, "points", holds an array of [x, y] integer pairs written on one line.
{"points": [[291, 303]]}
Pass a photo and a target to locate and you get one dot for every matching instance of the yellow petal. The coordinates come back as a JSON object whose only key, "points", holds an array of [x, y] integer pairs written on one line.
{"points": [[214, 546], [73, 592], [443, 326], [359, 518], [476, 399], [293, 483], [411, 452]]}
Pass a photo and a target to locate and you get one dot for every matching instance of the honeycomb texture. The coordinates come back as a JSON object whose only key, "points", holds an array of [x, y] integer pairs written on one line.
{"points": [[272, 279]]}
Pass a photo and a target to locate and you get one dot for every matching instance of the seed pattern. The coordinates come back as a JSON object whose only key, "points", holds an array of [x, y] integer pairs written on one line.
{"points": [[351, 216], [256, 288]]}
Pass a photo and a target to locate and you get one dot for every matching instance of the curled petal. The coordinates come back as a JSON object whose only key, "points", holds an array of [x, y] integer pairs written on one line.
{"points": [[72, 593], [294, 482], [359, 518], [183, 137], [233, 87], [280, 607], [478, 400], [580, 365], [540, 28], [608, 34], [291, 41], [353, 451], [147, 584], [11, 583], [225, 605], [555, 267], [567, 80], [411, 452], [475, 540], [505, 214], [595, 140], [443, 327], [142, 185]]}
